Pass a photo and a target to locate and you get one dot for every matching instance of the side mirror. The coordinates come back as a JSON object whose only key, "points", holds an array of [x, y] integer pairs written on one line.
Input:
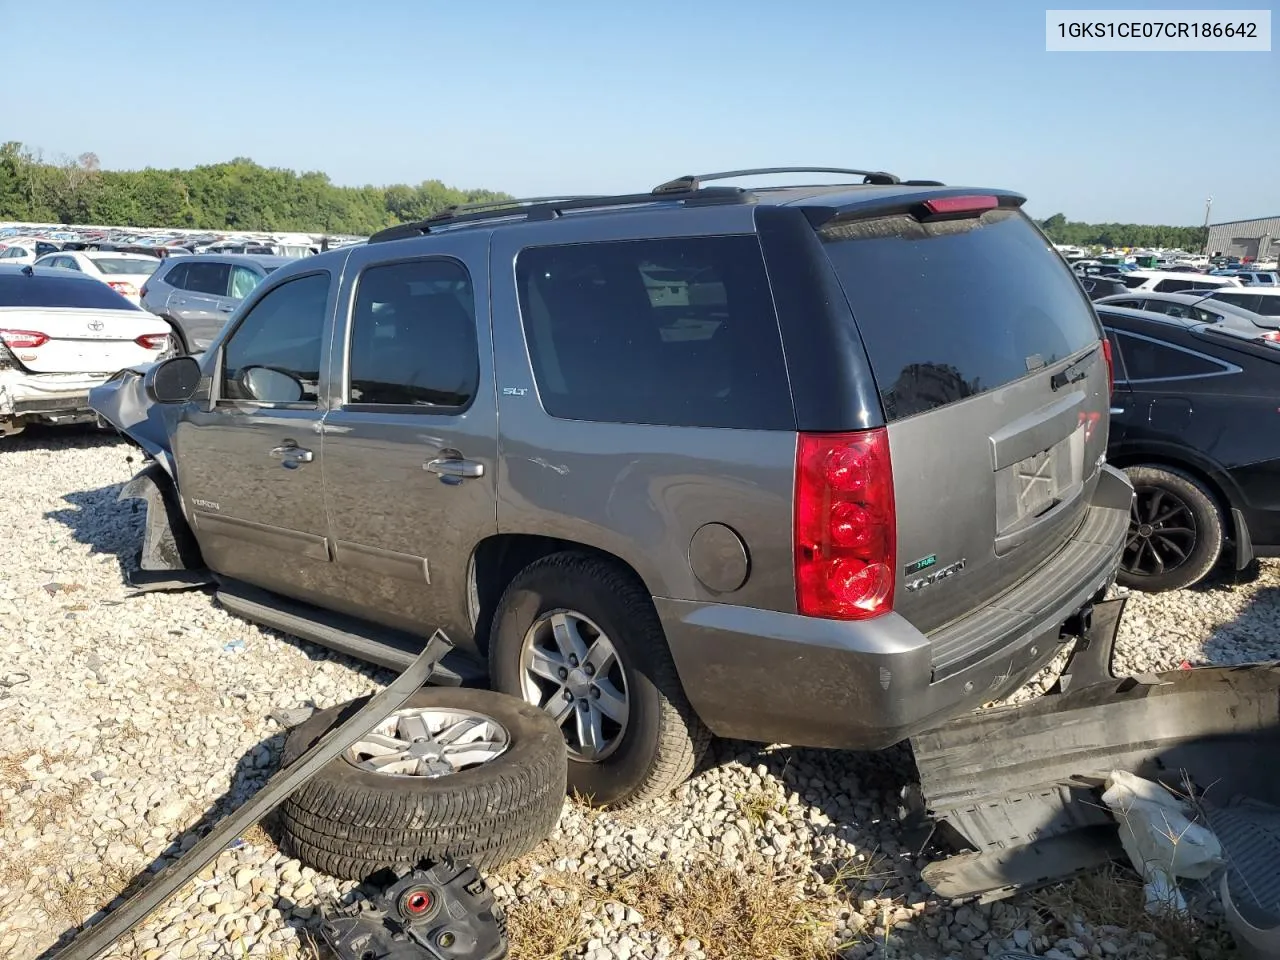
{"points": [[172, 381], [269, 385]]}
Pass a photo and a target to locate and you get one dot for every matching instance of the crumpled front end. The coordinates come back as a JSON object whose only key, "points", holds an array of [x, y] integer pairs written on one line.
{"points": [[122, 402]]}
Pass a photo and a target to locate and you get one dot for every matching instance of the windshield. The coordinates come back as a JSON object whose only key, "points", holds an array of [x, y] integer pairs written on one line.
{"points": [[953, 309], [49, 291], [119, 265]]}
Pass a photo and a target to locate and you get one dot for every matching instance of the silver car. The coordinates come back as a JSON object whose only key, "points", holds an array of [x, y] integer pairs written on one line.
{"points": [[197, 294]]}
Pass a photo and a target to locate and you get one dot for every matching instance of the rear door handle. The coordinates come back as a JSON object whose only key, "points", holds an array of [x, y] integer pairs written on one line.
{"points": [[455, 469], [290, 454], [225, 307]]}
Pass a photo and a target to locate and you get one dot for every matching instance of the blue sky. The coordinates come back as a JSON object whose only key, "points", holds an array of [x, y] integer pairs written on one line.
{"points": [[566, 96]]}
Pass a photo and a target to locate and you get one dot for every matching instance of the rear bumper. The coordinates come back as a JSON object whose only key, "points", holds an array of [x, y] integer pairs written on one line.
{"points": [[782, 678], [46, 394]]}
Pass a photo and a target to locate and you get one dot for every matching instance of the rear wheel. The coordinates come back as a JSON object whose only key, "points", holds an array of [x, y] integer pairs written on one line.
{"points": [[1175, 531], [579, 637], [180, 347]]}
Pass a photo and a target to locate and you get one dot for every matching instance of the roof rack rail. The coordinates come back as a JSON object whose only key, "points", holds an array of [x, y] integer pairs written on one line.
{"points": [[692, 182], [549, 208]]}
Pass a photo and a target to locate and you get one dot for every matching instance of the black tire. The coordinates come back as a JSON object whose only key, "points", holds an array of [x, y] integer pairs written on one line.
{"points": [[1159, 556], [179, 338], [663, 739], [350, 823]]}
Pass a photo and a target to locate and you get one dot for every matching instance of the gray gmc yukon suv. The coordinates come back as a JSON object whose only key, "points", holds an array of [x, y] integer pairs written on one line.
{"points": [[821, 465]]}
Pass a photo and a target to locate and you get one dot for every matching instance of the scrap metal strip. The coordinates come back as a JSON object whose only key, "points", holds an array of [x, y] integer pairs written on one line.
{"points": [[95, 940]]}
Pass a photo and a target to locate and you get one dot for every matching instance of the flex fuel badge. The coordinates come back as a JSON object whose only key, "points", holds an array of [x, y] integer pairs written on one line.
{"points": [[922, 564]]}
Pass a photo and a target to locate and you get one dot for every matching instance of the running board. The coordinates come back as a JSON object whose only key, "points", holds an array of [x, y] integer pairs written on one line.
{"points": [[393, 649]]}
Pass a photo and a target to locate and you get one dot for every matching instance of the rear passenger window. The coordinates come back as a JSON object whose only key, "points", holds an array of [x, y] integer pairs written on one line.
{"points": [[1246, 301], [679, 332], [1173, 286], [208, 278], [413, 337], [1148, 359]]}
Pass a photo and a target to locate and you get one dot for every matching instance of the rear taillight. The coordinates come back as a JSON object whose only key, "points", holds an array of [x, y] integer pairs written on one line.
{"points": [[23, 339], [1111, 365], [153, 341], [1272, 335], [123, 287], [143, 292], [845, 525]]}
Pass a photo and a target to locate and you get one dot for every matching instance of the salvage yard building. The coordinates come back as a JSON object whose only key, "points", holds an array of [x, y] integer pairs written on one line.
{"points": [[1258, 239]]}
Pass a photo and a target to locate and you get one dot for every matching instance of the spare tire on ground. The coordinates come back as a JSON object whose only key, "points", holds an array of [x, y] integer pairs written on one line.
{"points": [[465, 774]]}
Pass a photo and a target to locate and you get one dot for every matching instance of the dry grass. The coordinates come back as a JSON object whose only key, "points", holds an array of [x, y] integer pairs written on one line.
{"points": [[734, 913], [757, 805], [1113, 897], [256, 836]]}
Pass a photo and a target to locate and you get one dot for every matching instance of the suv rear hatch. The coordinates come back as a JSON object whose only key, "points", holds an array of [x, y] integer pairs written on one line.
{"points": [[995, 387]]}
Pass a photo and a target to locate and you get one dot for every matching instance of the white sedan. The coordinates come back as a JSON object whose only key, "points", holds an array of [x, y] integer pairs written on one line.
{"points": [[125, 273], [20, 250], [62, 334]]}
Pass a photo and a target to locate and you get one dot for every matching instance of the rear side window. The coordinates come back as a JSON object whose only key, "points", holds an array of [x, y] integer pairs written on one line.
{"points": [[1246, 301], [679, 332], [951, 310], [176, 276], [53, 291], [413, 336], [1174, 286], [208, 278], [1146, 358]]}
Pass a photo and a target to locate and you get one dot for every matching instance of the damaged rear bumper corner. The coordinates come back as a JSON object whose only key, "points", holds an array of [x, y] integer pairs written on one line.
{"points": [[47, 394]]}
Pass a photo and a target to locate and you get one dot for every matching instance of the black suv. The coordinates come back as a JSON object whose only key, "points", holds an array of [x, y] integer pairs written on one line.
{"points": [[820, 465]]}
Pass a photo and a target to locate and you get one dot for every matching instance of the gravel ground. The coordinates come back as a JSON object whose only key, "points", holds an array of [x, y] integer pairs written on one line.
{"points": [[128, 724]]}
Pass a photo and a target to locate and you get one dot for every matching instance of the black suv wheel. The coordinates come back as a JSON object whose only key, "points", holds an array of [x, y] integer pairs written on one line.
{"points": [[579, 637], [1175, 531]]}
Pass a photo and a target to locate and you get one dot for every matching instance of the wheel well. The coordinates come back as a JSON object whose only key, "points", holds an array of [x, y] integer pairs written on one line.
{"points": [[178, 331], [495, 563], [1214, 489]]}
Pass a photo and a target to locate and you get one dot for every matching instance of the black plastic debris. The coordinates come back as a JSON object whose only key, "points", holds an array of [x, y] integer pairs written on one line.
{"points": [[435, 912]]}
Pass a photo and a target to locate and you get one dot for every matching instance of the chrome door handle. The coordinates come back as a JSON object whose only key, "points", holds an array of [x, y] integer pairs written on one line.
{"points": [[292, 454], [459, 469]]}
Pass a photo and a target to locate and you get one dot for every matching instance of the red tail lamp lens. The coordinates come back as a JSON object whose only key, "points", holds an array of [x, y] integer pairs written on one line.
{"points": [[845, 525]]}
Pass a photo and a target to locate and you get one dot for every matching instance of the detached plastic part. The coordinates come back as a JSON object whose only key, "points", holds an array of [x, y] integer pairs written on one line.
{"points": [[1161, 839], [440, 912]]}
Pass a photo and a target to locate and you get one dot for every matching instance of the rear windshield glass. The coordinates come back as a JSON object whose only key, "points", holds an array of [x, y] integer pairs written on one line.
{"points": [[953, 309], [121, 265], [46, 291]]}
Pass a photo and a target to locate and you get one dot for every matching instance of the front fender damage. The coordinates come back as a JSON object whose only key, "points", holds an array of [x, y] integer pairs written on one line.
{"points": [[170, 557]]}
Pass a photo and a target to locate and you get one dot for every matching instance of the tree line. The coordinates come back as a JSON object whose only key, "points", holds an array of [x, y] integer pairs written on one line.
{"points": [[237, 195], [1061, 230], [242, 195]]}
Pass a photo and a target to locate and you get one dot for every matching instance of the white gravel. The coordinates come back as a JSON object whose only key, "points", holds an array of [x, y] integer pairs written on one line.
{"points": [[125, 722]]}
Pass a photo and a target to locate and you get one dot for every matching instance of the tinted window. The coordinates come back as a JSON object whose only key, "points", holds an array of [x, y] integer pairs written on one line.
{"points": [[953, 309], [43, 248], [413, 336], [1146, 359], [1173, 286], [208, 278], [1117, 358], [1133, 282], [1269, 306], [46, 290], [1133, 304], [1170, 309], [282, 332], [677, 331], [177, 276]]}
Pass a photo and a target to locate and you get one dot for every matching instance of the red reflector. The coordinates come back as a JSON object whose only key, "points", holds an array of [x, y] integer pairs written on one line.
{"points": [[23, 339], [1111, 364], [153, 341], [845, 525], [941, 205]]}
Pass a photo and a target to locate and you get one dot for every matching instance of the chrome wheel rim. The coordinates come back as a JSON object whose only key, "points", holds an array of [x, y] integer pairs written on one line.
{"points": [[429, 742], [570, 668]]}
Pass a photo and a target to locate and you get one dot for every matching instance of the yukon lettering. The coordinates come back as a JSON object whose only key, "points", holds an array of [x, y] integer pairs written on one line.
{"points": [[940, 574]]}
